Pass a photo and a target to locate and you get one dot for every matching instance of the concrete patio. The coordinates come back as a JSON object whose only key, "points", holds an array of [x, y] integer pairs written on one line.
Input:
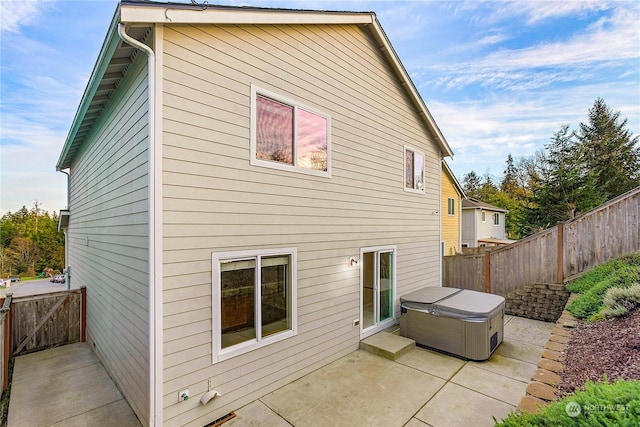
{"points": [[420, 388], [67, 386]]}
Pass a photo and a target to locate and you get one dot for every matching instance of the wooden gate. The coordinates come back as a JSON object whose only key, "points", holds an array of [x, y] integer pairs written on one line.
{"points": [[37, 322], [46, 320]]}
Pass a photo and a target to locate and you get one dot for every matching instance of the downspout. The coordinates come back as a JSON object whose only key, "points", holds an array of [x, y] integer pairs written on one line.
{"points": [[67, 279], [154, 419], [441, 248]]}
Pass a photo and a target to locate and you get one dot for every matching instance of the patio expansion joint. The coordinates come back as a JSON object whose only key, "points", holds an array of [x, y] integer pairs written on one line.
{"points": [[482, 393], [542, 389], [415, 414]]}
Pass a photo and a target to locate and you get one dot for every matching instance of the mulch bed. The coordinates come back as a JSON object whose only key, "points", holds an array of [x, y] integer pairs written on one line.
{"points": [[610, 347]]}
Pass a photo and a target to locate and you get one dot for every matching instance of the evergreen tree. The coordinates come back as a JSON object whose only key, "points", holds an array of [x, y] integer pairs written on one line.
{"points": [[609, 153], [509, 183], [559, 192], [30, 242], [471, 184]]}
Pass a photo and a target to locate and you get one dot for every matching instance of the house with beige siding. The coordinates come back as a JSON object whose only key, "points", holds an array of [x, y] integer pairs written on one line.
{"points": [[451, 212], [250, 192]]}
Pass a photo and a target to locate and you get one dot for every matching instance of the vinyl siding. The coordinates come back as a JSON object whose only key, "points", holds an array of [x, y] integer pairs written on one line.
{"points": [[108, 237], [450, 224], [488, 229], [469, 227], [214, 200]]}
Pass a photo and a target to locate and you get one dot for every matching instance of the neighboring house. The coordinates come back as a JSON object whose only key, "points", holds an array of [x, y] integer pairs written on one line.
{"points": [[483, 224], [451, 212], [250, 191]]}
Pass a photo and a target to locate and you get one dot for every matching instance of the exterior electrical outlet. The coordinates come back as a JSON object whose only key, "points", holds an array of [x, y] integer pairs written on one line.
{"points": [[183, 395]]}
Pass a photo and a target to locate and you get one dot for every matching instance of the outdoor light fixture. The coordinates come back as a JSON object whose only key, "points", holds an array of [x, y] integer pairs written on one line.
{"points": [[353, 262]]}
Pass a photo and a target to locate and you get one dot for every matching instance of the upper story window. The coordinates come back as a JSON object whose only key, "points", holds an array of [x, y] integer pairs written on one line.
{"points": [[496, 218], [289, 136], [484, 217], [413, 170], [451, 206]]}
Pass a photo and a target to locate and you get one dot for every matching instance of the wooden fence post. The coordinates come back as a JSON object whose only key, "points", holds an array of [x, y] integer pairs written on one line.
{"points": [[83, 314], [560, 254], [487, 272], [6, 356]]}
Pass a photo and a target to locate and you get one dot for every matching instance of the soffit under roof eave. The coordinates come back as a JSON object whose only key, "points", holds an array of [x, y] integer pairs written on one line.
{"points": [[63, 220], [106, 53]]}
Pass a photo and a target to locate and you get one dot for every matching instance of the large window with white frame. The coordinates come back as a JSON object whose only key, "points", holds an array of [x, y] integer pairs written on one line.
{"points": [[254, 300], [413, 170], [288, 135]]}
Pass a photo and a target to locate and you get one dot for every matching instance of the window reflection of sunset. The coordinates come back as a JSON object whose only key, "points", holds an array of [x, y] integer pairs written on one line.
{"points": [[418, 164], [275, 131], [275, 139], [311, 140]]}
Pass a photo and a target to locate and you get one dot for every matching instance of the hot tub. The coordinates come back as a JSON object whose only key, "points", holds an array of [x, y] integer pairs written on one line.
{"points": [[462, 322]]}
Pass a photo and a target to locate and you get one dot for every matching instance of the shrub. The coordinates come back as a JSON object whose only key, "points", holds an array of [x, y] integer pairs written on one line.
{"points": [[601, 404], [618, 302]]}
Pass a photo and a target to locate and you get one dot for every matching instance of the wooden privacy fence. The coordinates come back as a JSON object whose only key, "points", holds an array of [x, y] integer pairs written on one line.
{"points": [[555, 255], [36, 322], [5, 344]]}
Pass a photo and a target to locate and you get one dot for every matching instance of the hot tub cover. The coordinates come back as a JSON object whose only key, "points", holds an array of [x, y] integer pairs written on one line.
{"points": [[454, 302]]}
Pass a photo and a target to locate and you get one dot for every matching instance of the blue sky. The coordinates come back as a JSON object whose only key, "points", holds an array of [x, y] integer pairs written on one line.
{"points": [[498, 77]]}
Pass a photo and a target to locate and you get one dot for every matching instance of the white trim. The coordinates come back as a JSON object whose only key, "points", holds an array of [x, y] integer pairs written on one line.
{"points": [[157, 226], [187, 14], [440, 220], [364, 333], [404, 168], [219, 354], [255, 91]]}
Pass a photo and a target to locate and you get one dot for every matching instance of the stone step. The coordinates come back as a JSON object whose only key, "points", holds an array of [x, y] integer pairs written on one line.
{"points": [[387, 345]]}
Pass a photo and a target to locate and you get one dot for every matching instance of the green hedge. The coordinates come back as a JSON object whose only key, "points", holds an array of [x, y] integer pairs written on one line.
{"points": [[600, 404]]}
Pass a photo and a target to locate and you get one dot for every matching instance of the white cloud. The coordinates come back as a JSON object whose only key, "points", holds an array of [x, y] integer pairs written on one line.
{"points": [[537, 11], [604, 46], [15, 14]]}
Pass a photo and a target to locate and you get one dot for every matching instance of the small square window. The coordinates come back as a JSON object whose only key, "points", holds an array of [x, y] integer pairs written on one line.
{"points": [[413, 170], [289, 136]]}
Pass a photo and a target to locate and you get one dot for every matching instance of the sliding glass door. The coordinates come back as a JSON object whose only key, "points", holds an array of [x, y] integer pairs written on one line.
{"points": [[377, 289]]}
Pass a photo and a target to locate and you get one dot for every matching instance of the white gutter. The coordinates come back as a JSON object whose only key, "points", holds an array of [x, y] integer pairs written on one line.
{"points": [[155, 292], [67, 279]]}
